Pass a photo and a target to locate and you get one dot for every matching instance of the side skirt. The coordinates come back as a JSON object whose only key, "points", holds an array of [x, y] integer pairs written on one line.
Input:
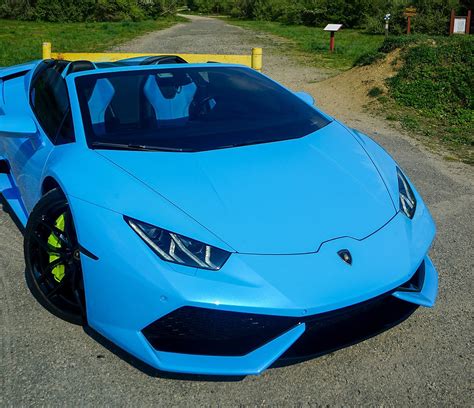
{"points": [[11, 195]]}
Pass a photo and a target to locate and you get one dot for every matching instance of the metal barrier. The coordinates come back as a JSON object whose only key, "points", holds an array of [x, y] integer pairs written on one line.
{"points": [[254, 60]]}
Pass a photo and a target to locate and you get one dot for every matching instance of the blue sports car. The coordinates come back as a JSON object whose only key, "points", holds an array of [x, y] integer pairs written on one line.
{"points": [[202, 217]]}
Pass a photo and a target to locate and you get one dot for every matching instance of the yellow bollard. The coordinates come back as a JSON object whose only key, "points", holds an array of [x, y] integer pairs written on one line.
{"points": [[46, 50], [257, 58]]}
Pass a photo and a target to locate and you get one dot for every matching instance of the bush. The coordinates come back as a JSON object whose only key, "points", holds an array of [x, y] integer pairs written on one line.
{"points": [[375, 92], [85, 10], [391, 43], [436, 77], [117, 10], [374, 25], [432, 17], [369, 58]]}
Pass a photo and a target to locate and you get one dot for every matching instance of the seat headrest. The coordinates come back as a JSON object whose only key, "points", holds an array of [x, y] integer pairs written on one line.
{"points": [[177, 79], [163, 59], [78, 66]]}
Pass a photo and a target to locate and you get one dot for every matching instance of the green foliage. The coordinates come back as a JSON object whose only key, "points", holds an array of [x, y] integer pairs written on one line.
{"points": [[435, 87], [369, 58], [389, 44], [85, 10], [437, 77], [20, 41], [116, 10], [375, 92], [432, 15], [314, 42], [394, 42]]}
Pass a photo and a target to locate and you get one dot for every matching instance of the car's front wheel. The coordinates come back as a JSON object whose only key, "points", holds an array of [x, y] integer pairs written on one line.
{"points": [[52, 256]]}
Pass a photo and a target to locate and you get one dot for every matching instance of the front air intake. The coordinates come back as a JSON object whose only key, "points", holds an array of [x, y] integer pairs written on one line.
{"points": [[191, 330]]}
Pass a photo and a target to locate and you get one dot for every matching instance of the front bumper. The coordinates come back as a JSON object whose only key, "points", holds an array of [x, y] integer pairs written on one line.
{"points": [[129, 289]]}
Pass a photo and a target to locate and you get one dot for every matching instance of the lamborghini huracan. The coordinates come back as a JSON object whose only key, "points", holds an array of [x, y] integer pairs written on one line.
{"points": [[202, 217]]}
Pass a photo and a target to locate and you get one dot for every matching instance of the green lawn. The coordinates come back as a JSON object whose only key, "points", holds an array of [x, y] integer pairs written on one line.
{"points": [[20, 41], [350, 44]]}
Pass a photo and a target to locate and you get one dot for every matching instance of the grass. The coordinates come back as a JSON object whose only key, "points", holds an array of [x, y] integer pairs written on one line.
{"points": [[314, 41], [375, 92], [434, 92], [20, 41], [453, 141]]}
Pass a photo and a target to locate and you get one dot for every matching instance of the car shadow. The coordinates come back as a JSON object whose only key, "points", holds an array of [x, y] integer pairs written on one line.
{"points": [[150, 371], [8, 210], [317, 341]]}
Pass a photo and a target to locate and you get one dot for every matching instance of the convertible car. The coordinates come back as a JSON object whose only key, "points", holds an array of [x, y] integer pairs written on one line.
{"points": [[202, 217]]}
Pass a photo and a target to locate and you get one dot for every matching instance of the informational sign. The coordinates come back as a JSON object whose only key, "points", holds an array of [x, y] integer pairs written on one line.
{"points": [[333, 27], [410, 12], [459, 25]]}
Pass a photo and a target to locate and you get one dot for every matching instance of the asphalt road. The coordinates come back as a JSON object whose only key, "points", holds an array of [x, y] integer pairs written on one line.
{"points": [[426, 360]]}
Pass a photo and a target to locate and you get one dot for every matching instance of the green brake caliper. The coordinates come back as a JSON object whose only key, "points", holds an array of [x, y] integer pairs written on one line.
{"points": [[59, 270]]}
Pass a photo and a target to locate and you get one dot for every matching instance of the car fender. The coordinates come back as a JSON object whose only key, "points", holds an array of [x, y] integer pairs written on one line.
{"points": [[85, 175]]}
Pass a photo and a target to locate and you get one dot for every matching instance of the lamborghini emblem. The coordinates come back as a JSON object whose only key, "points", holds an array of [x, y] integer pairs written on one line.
{"points": [[346, 256]]}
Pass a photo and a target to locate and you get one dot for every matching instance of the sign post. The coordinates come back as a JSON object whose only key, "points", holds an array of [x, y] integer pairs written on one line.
{"points": [[387, 20], [332, 28], [409, 13], [460, 24]]}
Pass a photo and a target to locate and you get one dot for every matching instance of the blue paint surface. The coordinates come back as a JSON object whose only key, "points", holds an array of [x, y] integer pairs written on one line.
{"points": [[282, 209]]}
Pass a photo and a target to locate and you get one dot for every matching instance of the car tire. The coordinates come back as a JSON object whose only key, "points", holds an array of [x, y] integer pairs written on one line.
{"points": [[53, 258]]}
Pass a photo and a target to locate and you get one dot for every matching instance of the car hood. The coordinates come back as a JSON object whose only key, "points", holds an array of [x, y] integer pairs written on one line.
{"points": [[274, 198]]}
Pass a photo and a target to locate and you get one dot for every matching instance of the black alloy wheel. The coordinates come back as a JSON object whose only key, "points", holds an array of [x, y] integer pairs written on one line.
{"points": [[53, 258]]}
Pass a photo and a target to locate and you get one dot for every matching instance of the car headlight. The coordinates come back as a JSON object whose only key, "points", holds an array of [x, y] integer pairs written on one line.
{"points": [[178, 249], [407, 198]]}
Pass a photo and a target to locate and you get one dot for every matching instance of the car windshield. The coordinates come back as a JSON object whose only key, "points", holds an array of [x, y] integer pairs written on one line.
{"points": [[190, 109]]}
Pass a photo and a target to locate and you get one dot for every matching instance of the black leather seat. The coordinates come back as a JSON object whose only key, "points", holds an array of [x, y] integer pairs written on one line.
{"points": [[163, 59], [79, 66]]}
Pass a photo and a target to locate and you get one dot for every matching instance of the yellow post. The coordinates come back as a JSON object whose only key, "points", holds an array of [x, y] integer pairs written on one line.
{"points": [[257, 58], [46, 50]]}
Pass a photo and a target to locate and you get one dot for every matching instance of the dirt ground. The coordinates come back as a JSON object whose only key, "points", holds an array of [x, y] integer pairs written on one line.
{"points": [[425, 361]]}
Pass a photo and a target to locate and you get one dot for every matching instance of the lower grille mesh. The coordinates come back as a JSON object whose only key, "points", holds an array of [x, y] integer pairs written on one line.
{"points": [[192, 330]]}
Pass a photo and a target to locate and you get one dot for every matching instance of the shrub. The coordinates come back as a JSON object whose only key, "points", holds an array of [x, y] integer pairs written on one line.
{"points": [[392, 43], [375, 92], [117, 10], [432, 17], [85, 10], [369, 58], [436, 78]]}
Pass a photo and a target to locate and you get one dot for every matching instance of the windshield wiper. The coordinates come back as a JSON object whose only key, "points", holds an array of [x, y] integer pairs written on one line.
{"points": [[249, 143], [139, 147]]}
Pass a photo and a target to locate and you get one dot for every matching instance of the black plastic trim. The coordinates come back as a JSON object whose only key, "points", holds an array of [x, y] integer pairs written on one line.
{"points": [[201, 331], [14, 75], [4, 167], [415, 283], [88, 253]]}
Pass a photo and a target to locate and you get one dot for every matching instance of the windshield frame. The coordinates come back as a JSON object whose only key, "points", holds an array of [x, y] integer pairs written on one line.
{"points": [[77, 109]]}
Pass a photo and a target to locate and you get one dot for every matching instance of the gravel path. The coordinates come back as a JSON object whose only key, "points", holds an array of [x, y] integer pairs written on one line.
{"points": [[213, 36], [424, 361]]}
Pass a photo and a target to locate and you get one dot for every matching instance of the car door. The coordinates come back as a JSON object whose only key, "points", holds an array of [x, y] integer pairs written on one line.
{"points": [[49, 106]]}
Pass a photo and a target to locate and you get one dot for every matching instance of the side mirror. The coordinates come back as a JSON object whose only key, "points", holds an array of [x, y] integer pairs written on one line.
{"points": [[17, 126], [306, 97]]}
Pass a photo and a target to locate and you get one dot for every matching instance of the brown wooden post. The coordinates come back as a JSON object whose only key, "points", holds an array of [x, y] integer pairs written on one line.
{"points": [[332, 28], [331, 42], [451, 24], [408, 24], [468, 22]]}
